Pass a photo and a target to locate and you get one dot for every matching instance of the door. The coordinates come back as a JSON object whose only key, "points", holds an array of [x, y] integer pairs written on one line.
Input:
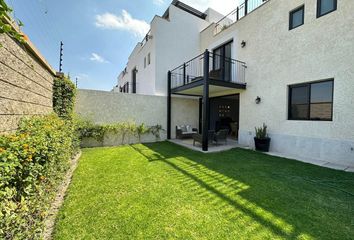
{"points": [[222, 61]]}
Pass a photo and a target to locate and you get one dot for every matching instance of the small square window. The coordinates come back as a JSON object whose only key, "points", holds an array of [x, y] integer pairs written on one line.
{"points": [[325, 6], [296, 18]]}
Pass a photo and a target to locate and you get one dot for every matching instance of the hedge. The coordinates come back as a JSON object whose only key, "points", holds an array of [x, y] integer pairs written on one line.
{"points": [[33, 162], [64, 92]]}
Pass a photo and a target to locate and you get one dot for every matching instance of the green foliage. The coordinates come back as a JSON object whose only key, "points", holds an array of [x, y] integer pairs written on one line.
{"points": [[6, 28], [64, 93], [87, 129], [155, 130], [32, 164], [141, 130], [261, 132]]}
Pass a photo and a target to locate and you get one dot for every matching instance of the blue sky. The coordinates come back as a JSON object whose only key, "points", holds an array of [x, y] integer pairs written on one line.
{"points": [[98, 35]]}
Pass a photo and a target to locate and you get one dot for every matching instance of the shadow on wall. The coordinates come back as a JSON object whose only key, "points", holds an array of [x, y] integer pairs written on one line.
{"points": [[290, 201]]}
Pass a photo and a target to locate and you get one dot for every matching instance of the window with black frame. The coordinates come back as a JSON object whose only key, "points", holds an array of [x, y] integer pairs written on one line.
{"points": [[311, 101], [297, 17], [325, 6]]}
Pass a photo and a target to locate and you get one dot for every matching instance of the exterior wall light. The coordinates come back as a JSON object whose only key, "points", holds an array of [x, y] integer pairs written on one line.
{"points": [[258, 100], [243, 44]]}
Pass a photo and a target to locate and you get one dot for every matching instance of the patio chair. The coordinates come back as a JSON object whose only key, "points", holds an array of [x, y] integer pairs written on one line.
{"points": [[199, 137], [233, 127], [185, 131], [221, 136]]}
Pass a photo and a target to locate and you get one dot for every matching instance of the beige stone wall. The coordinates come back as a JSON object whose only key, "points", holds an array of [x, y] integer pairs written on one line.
{"points": [[111, 107], [25, 84]]}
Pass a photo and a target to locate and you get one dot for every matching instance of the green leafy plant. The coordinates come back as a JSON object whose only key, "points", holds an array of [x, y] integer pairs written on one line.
{"points": [[141, 130], [64, 92], [5, 27], [261, 132], [33, 162], [156, 131], [87, 129]]}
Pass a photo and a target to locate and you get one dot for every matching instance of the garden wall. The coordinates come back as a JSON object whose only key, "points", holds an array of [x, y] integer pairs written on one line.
{"points": [[26, 82], [111, 107]]}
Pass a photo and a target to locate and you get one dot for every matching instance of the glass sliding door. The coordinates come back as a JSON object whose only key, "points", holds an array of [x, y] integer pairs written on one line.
{"points": [[222, 62]]}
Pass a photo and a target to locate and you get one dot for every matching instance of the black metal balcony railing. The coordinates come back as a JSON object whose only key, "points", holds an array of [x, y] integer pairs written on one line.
{"points": [[220, 68], [242, 10]]}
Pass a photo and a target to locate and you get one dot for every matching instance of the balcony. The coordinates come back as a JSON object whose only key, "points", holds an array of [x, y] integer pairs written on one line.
{"points": [[206, 76], [223, 74], [241, 11]]}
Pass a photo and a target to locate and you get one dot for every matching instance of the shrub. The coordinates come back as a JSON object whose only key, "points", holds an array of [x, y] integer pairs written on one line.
{"points": [[64, 93], [88, 129], [33, 162]]}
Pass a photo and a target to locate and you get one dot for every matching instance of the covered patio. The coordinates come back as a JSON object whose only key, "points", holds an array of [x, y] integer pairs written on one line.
{"points": [[216, 80], [188, 143]]}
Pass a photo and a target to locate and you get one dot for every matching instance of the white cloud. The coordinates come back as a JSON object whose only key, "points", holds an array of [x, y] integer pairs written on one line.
{"points": [[97, 58], [123, 22], [159, 2], [82, 76], [224, 6]]}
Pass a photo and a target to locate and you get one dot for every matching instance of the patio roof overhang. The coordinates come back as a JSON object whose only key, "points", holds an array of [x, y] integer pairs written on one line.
{"points": [[205, 76], [216, 88]]}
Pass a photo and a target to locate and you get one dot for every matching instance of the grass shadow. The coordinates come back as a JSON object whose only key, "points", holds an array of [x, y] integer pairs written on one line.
{"points": [[292, 199]]}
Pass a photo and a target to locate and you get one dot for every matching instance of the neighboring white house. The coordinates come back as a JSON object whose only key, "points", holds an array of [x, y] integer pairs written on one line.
{"points": [[299, 77], [172, 39]]}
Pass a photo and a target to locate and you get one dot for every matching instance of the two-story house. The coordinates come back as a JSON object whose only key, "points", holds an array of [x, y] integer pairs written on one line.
{"points": [[288, 64]]}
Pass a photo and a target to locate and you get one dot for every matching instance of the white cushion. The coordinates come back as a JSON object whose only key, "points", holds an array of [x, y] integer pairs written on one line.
{"points": [[184, 128]]}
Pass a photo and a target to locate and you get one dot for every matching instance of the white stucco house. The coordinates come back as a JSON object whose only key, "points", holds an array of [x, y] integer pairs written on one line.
{"points": [[289, 64], [172, 39]]}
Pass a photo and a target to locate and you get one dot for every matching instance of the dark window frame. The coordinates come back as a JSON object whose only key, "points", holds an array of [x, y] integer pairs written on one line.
{"points": [[222, 58], [318, 15], [291, 13], [308, 84]]}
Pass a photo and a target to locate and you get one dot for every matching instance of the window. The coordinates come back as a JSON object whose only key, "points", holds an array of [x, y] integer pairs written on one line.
{"points": [[297, 17], [149, 59], [311, 101], [144, 62], [325, 6]]}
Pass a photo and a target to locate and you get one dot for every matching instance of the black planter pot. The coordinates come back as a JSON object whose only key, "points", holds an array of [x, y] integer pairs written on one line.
{"points": [[262, 144]]}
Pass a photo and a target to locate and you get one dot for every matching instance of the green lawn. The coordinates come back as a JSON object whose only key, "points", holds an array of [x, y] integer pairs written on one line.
{"points": [[164, 191]]}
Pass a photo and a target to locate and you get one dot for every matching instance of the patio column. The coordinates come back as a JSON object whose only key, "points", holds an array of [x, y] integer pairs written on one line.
{"points": [[205, 123], [169, 105]]}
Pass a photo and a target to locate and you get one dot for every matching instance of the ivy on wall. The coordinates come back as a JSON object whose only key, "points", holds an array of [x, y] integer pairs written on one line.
{"points": [[88, 129], [64, 92], [6, 28]]}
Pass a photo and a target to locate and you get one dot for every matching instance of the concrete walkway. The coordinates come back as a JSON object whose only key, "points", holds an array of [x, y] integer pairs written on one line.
{"points": [[188, 143], [347, 168], [231, 143]]}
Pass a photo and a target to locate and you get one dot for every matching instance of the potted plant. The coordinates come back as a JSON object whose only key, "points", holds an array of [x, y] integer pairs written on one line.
{"points": [[262, 141]]}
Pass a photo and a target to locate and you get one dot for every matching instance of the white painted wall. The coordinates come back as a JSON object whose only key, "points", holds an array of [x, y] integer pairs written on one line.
{"points": [[175, 40], [111, 107], [320, 49], [146, 75]]}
